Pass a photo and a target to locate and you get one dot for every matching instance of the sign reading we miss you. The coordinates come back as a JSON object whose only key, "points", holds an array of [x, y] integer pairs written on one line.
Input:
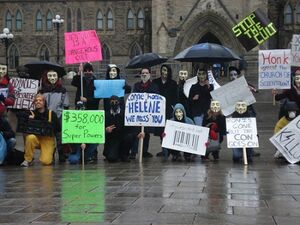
{"points": [[274, 69], [254, 30], [83, 46], [145, 109], [83, 126], [287, 141], [25, 90], [242, 133]]}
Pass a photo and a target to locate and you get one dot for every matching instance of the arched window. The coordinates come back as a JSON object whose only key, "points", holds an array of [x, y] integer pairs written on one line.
{"points": [[8, 20], [298, 13], [99, 21], [18, 21], [44, 53], [49, 23], [288, 14], [141, 19], [105, 56], [38, 21], [14, 57], [69, 20], [79, 22], [110, 20], [135, 50], [130, 20]]}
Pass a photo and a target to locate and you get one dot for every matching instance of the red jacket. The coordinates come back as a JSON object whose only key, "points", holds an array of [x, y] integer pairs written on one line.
{"points": [[10, 99]]}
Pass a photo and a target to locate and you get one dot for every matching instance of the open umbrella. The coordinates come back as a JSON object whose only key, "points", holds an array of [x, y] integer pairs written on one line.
{"points": [[37, 68], [207, 53], [145, 60]]}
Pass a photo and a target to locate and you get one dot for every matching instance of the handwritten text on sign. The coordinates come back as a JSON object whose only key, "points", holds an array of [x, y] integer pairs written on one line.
{"points": [[185, 137], [242, 132], [287, 141], [25, 90], [254, 30], [85, 126], [295, 50], [83, 46], [274, 69], [145, 109]]}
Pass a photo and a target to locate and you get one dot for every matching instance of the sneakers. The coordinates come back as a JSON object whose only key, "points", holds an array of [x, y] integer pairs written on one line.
{"points": [[26, 163]]}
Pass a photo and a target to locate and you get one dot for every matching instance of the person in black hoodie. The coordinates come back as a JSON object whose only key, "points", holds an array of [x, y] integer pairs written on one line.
{"points": [[8, 135]]}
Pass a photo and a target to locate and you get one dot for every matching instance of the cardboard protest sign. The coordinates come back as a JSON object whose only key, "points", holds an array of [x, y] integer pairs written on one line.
{"points": [[287, 141], [4, 92], [145, 109], [232, 92], [190, 82], [254, 30], [83, 46], [108, 88], [241, 132], [295, 50], [83, 126], [274, 70], [25, 90], [185, 137]]}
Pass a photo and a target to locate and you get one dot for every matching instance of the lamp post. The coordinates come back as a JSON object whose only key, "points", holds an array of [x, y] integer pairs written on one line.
{"points": [[6, 37], [57, 22]]}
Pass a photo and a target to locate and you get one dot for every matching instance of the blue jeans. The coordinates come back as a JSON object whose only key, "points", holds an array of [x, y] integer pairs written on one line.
{"points": [[237, 154], [75, 156], [11, 143], [198, 120]]}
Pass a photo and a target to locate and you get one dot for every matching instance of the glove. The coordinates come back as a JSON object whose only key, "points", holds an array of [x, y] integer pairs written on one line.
{"points": [[2, 98], [213, 135], [163, 135]]}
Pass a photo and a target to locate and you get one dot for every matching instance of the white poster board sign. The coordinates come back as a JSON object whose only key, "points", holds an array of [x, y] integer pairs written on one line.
{"points": [[295, 50], [4, 92], [232, 92], [274, 69], [145, 109], [25, 90], [185, 137], [287, 141], [188, 83], [241, 132]]}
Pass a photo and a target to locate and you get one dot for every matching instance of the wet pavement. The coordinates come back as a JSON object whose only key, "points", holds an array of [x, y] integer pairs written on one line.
{"points": [[154, 192]]}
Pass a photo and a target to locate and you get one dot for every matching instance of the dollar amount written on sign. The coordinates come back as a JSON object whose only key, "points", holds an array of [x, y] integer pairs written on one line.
{"points": [[83, 126]]}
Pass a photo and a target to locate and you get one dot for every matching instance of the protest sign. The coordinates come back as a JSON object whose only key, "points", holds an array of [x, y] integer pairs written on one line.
{"points": [[287, 141], [185, 137], [4, 92], [232, 92], [108, 88], [145, 109], [190, 82], [25, 91], [254, 30], [274, 70], [83, 46], [295, 50], [241, 133], [83, 126]]}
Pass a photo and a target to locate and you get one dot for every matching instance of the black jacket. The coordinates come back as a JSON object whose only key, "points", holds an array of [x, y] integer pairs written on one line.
{"points": [[5, 129]]}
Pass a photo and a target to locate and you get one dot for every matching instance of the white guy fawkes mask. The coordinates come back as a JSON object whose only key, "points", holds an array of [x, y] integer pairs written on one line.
{"points": [[233, 75], [297, 80], [241, 107], [179, 114], [113, 73], [201, 74], [52, 77], [183, 74], [145, 75], [164, 72], [215, 106], [3, 70]]}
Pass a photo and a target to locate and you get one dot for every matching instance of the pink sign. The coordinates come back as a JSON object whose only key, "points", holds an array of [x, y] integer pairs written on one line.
{"points": [[83, 46]]}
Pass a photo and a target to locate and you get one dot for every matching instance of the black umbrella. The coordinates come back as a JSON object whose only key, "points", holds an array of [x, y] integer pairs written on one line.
{"points": [[145, 60], [37, 68], [207, 53]]}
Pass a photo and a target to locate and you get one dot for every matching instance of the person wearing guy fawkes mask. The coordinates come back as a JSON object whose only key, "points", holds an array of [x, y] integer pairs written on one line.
{"points": [[292, 111], [182, 77], [118, 138], [113, 73], [144, 86], [7, 98], [241, 111]]}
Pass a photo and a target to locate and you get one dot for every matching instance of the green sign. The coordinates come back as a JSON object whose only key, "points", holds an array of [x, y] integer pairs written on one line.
{"points": [[83, 126]]}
